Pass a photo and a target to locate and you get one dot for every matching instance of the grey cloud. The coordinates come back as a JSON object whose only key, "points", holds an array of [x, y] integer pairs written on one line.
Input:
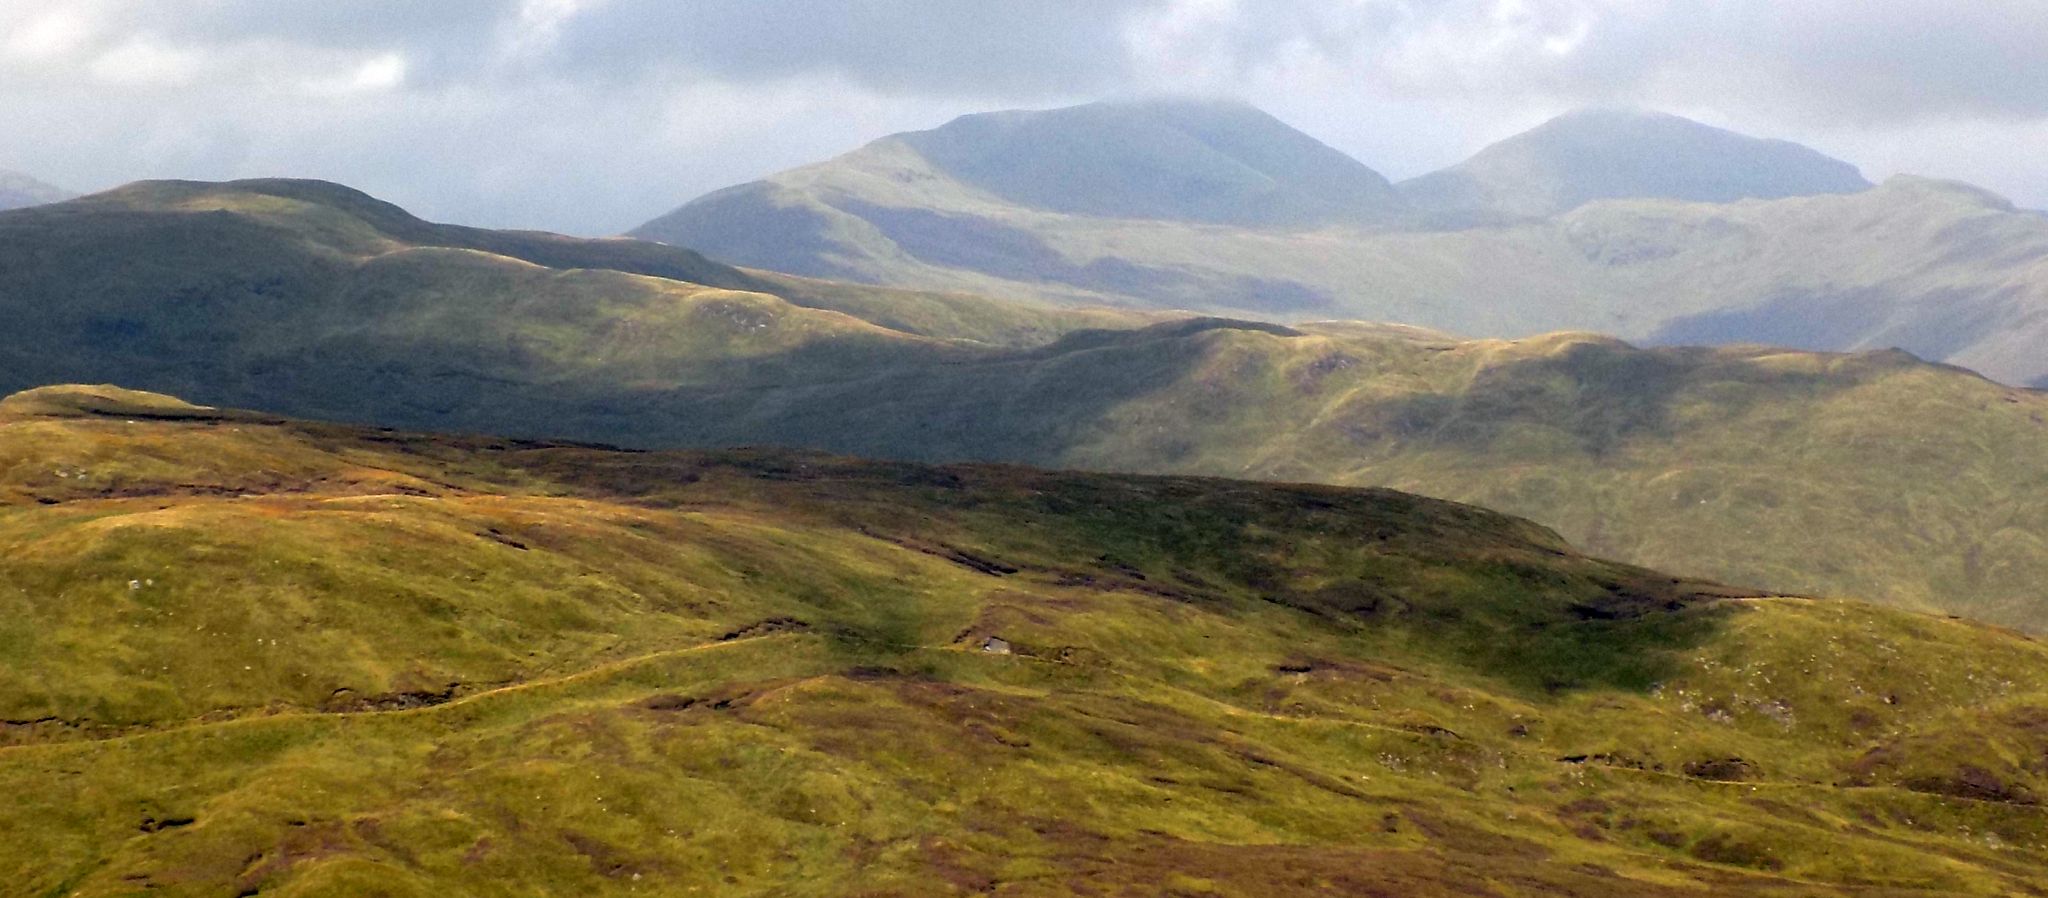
{"points": [[625, 107], [944, 47], [1822, 60], [1888, 61], [444, 42], [337, 25], [951, 47]]}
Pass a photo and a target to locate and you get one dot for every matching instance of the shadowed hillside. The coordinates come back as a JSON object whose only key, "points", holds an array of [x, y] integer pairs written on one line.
{"points": [[248, 655], [1872, 475]]}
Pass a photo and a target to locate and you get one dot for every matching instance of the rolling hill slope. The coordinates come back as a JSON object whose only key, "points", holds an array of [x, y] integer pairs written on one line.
{"points": [[1637, 242], [248, 655], [313, 298], [1872, 475]]}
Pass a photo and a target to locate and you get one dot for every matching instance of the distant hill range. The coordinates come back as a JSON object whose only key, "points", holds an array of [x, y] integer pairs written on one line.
{"points": [[1872, 475], [1644, 225], [18, 190]]}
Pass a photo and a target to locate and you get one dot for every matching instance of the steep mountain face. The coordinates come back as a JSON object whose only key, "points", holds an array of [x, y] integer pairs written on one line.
{"points": [[256, 656], [1942, 270], [18, 190], [1605, 154], [1872, 475]]}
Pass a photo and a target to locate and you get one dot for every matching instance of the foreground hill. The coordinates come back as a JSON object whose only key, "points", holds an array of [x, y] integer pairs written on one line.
{"points": [[1639, 241], [18, 190], [246, 655], [1874, 475]]}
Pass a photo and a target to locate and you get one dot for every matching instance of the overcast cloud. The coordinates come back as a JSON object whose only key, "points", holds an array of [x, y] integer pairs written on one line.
{"points": [[589, 116]]}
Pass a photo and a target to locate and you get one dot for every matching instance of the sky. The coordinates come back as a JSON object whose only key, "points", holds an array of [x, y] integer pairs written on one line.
{"points": [[591, 116]]}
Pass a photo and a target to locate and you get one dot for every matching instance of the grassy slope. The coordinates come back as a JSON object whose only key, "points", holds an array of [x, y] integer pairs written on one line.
{"points": [[305, 660], [317, 300], [284, 251], [1870, 476]]}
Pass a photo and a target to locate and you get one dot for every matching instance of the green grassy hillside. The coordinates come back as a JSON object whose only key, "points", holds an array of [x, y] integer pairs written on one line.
{"points": [[1603, 222], [319, 300], [1871, 475], [306, 257], [243, 655]]}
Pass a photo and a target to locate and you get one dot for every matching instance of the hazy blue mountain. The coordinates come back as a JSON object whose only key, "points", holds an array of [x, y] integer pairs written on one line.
{"points": [[1603, 154], [18, 190], [1011, 205], [952, 196], [1174, 160]]}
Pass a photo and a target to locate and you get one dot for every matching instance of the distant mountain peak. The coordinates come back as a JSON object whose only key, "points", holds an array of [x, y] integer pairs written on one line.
{"points": [[956, 194], [1607, 122], [1621, 113], [1967, 193], [1620, 152], [1142, 105], [18, 190], [1207, 160]]}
